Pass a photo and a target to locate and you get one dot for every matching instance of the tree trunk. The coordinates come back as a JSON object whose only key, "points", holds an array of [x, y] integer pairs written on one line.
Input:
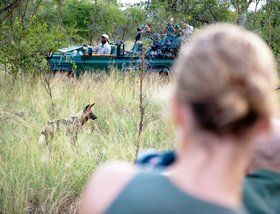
{"points": [[141, 107], [255, 13]]}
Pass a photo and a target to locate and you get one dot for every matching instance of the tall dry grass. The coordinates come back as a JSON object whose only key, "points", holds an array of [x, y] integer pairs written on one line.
{"points": [[49, 179]]}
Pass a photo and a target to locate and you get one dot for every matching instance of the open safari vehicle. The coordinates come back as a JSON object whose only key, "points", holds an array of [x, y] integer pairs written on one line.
{"points": [[79, 59]]}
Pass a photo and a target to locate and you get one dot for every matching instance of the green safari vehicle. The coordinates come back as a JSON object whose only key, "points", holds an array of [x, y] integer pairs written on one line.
{"points": [[79, 59]]}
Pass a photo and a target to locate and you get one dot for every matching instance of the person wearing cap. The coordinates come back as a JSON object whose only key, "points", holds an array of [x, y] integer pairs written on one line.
{"points": [[104, 47]]}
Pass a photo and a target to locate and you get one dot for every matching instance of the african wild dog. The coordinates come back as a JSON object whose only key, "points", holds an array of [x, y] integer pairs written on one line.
{"points": [[72, 125]]}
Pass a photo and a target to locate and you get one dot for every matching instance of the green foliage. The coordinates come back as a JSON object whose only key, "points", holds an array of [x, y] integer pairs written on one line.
{"points": [[89, 20], [266, 23], [133, 17], [197, 12], [26, 45], [105, 19], [79, 17], [49, 179], [32, 28]]}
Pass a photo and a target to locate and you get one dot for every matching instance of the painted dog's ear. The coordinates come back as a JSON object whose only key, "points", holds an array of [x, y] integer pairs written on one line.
{"points": [[88, 107]]}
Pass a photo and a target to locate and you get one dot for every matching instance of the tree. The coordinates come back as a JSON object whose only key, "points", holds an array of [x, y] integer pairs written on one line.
{"points": [[266, 23], [32, 27], [6, 8], [197, 12]]}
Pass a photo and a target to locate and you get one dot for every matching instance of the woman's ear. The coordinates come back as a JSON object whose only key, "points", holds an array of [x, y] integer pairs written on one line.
{"points": [[179, 112], [263, 126]]}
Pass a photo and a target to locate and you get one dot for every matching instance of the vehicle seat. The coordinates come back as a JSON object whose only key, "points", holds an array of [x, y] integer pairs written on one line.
{"points": [[137, 47], [113, 49]]}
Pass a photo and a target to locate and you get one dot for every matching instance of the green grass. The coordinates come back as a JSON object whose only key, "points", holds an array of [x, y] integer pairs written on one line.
{"points": [[49, 179]]}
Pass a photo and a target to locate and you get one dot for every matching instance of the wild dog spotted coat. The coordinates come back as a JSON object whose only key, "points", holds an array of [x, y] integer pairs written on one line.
{"points": [[72, 125]]}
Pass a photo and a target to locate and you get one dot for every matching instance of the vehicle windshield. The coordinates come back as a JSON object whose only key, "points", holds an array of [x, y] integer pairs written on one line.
{"points": [[73, 49]]}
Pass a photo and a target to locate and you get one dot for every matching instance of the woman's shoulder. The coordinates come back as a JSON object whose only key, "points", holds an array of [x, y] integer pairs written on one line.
{"points": [[105, 185]]}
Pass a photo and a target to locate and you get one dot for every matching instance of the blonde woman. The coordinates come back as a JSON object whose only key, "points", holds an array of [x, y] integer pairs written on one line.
{"points": [[223, 98]]}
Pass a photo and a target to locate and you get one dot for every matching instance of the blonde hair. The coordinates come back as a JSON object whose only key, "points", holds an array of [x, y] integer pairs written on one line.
{"points": [[226, 75]]}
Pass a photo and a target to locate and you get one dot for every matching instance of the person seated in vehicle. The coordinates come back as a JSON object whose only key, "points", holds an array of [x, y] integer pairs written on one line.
{"points": [[147, 29], [104, 47], [85, 50], [139, 34], [170, 27], [261, 188], [172, 31], [186, 28]]}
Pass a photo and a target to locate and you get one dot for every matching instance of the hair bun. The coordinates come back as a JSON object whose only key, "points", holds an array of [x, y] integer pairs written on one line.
{"points": [[226, 74], [224, 113], [231, 107]]}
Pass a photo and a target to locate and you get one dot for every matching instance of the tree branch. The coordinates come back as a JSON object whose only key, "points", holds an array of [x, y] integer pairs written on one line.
{"points": [[9, 9], [10, 6]]}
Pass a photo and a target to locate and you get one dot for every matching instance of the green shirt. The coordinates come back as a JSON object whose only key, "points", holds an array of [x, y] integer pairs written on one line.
{"points": [[262, 192], [154, 193]]}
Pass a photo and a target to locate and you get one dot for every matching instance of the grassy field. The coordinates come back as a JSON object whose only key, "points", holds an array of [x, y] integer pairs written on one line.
{"points": [[49, 178]]}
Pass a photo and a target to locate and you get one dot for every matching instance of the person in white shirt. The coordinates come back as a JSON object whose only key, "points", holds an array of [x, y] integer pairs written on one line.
{"points": [[104, 47], [187, 29]]}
